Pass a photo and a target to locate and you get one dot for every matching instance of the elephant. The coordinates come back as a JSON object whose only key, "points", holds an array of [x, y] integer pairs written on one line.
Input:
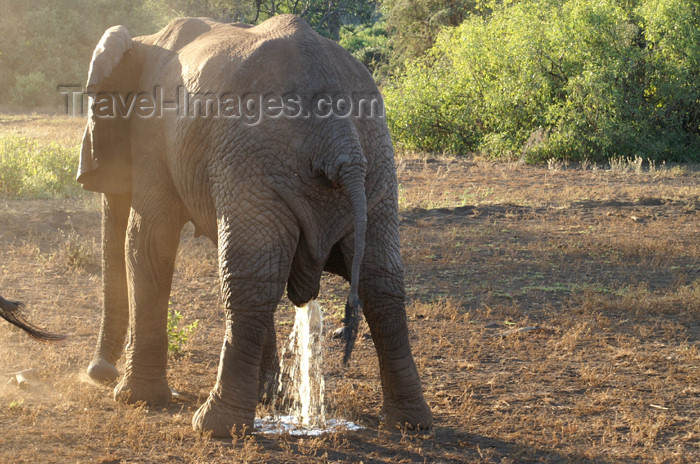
{"points": [[246, 132], [11, 311]]}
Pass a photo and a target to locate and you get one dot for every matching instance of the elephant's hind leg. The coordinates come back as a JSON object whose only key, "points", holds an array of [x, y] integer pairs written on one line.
{"points": [[255, 261], [269, 367], [115, 312], [153, 236], [382, 294], [231, 404]]}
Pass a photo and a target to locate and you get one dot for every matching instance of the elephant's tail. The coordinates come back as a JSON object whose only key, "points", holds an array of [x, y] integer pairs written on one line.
{"points": [[11, 311], [354, 183]]}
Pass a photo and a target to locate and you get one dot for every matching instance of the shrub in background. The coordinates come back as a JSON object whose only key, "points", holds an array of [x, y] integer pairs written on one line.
{"points": [[672, 33], [576, 79], [367, 43], [29, 168], [55, 40]]}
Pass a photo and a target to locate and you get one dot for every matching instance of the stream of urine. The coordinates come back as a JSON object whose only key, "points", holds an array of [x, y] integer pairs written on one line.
{"points": [[301, 380], [301, 389]]}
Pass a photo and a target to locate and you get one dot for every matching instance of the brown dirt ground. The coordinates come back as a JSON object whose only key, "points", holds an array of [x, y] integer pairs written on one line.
{"points": [[605, 264]]}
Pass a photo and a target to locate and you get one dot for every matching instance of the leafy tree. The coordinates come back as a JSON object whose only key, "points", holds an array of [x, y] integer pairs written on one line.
{"points": [[45, 44], [413, 25], [367, 43], [672, 49], [325, 16]]}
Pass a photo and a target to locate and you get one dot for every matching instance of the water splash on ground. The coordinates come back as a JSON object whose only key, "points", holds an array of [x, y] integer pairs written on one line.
{"points": [[278, 425]]}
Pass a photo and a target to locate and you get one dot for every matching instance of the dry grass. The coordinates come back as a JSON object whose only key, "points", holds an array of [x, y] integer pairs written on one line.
{"points": [[606, 265], [62, 129]]}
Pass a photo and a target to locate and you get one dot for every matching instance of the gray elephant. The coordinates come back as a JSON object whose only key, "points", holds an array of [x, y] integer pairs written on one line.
{"points": [[11, 311], [271, 141]]}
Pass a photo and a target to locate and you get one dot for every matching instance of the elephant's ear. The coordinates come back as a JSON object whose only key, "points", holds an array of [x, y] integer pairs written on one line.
{"points": [[110, 50], [105, 156]]}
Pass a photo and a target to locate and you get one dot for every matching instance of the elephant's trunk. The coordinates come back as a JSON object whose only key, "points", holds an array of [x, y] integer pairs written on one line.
{"points": [[353, 180]]}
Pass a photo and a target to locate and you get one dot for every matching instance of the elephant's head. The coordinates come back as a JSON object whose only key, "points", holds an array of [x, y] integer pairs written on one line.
{"points": [[105, 158]]}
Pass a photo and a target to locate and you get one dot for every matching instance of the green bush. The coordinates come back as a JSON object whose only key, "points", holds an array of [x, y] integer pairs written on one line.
{"points": [[56, 38], [413, 25], [672, 32], [29, 168], [367, 43], [178, 335], [575, 79]]}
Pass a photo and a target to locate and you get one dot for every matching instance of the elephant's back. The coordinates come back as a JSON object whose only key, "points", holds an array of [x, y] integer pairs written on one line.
{"points": [[194, 38], [281, 54]]}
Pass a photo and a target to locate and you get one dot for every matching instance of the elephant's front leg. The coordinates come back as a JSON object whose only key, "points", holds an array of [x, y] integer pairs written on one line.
{"points": [[255, 261], [152, 239], [115, 311]]}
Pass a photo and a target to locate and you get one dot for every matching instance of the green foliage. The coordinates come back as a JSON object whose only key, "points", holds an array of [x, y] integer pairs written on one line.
{"points": [[178, 336], [325, 16], [672, 34], [574, 79], [29, 168], [413, 25], [367, 43], [16, 405]]}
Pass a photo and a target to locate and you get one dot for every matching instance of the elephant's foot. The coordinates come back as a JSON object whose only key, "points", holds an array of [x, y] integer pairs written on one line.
{"points": [[414, 416], [220, 420], [131, 390], [102, 371]]}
